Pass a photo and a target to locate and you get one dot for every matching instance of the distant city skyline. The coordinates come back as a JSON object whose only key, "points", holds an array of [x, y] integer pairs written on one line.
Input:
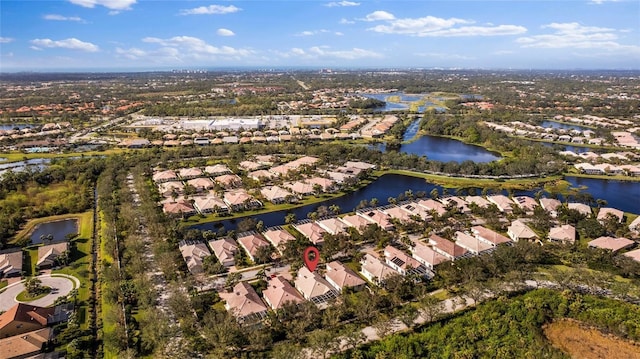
{"points": [[139, 35]]}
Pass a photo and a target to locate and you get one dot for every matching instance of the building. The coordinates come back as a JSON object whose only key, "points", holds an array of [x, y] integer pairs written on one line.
{"points": [[472, 244], [489, 236], [635, 255], [217, 170], [11, 263], [23, 318], [550, 205], [341, 277], [403, 263], [225, 250], [280, 292], [49, 254], [581, 208], [239, 199], [565, 233], [244, 303], [251, 242], [375, 270], [518, 230], [605, 212], [189, 173], [355, 221], [333, 225], [194, 253], [210, 204], [165, 176], [201, 184], [526, 203], [313, 287], [612, 244], [311, 230], [426, 255], [479, 201], [27, 345], [446, 247], [377, 217], [180, 208], [432, 205], [277, 195], [503, 202], [278, 237], [228, 181]]}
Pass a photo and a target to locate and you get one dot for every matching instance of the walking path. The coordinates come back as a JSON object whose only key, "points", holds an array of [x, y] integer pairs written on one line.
{"points": [[60, 284]]}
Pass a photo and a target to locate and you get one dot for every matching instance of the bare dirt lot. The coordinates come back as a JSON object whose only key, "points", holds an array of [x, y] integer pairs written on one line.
{"points": [[580, 341]]}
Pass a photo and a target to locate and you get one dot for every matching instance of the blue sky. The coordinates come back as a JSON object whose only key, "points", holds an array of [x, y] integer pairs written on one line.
{"points": [[164, 34]]}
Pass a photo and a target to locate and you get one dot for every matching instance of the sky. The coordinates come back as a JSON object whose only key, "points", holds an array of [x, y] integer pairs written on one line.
{"points": [[132, 35]]}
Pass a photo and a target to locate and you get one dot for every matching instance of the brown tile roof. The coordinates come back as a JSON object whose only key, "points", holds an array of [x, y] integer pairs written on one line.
{"points": [[613, 244], [340, 276], [23, 313], [279, 292], [243, 301], [446, 246], [25, 345]]}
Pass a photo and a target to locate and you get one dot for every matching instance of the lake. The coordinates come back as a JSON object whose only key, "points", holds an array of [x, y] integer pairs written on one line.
{"points": [[446, 150], [390, 185], [564, 126], [59, 230], [623, 195], [19, 126], [19, 166]]}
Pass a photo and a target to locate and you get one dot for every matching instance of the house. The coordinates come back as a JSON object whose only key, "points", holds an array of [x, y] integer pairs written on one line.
{"points": [[165, 176], [341, 277], [363, 166], [355, 221], [610, 243], [426, 255], [634, 254], [201, 184], [550, 205], [397, 213], [181, 208], [228, 181], [635, 225], [519, 230], [251, 242], [210, 204], [311, 230], [565, 233], [27, 345], [375, 270], [276, 194], [278, 237], [580, 207], [333, 225], [414, 210], [403, 263], [189, 173], [48, 254], [217, 170], [472, 244], [432, 205], [260, 175], [194, 253], [526, 203], [244, 303], [225, 250], [326, 184], [281, 170], [250, 165], [301, 188], [605, 212], [23, 318], [479, 201], [313, 287], [239, 199], [456, 202], [377, 217], [10, 263], [280, 292], [446, 247], [588, 168], [503, 202], [170, 189]]}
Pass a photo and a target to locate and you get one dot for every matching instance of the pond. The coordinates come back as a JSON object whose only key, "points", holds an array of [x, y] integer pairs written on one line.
{"points": [[446, 150], [623, 195], [394, 106], [9, 127], [58, 229], [19, 166], [383, 188], [563, 126]]}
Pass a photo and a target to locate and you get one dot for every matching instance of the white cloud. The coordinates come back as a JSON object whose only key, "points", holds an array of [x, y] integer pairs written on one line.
{"points": [[600, 2], [325, 52], [225, 32], [435, 26], [312, 32], [5, 40], [197, 48], [341, 4], [344, 21], [132, 53], [210, 10], [445, 56], [109, 4], [574, 35], [56, 17], [71, 43], [378, 15]]}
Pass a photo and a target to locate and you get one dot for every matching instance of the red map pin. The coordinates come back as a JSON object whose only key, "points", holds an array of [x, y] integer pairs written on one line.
{"points": [[312, 262]]}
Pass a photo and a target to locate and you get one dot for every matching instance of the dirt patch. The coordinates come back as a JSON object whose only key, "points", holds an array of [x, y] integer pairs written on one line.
{"points": [[581, 341]]}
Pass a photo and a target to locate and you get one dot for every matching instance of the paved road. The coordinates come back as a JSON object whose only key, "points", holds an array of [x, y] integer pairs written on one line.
{"points": [[61, 285]]}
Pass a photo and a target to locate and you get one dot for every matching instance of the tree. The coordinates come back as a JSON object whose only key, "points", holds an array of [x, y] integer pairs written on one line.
{"points": [[335, 209], [323, 342], [33, 286], [434, 193], [374, 202], [263, 254], [232, 280], [290, 218]]}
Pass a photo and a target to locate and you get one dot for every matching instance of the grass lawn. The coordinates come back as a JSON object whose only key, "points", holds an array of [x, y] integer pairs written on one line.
{"points": [[24, 296], [3, 284], [16, 156], [572, 173], [105, 306], [458, 182]]}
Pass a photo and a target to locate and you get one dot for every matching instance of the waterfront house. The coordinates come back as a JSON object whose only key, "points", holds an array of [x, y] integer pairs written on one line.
{"points": [[278, 237], [277, 195], [210, 204], [550, 205], [377, 217], [605, 212], [251, 242], [194, 253], [48, 254], [225, 250], [355, 221], [311, 230]]}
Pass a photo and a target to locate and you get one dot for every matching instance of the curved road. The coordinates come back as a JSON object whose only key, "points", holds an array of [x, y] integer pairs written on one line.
{"points": [[61, 285]]}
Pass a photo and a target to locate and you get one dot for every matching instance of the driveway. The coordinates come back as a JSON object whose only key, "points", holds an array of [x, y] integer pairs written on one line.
{"points": [[61, 285]]}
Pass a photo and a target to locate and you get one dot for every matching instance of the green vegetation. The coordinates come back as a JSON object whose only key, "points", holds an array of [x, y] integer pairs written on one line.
{"points": [[508, 328], [25, 296]]}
